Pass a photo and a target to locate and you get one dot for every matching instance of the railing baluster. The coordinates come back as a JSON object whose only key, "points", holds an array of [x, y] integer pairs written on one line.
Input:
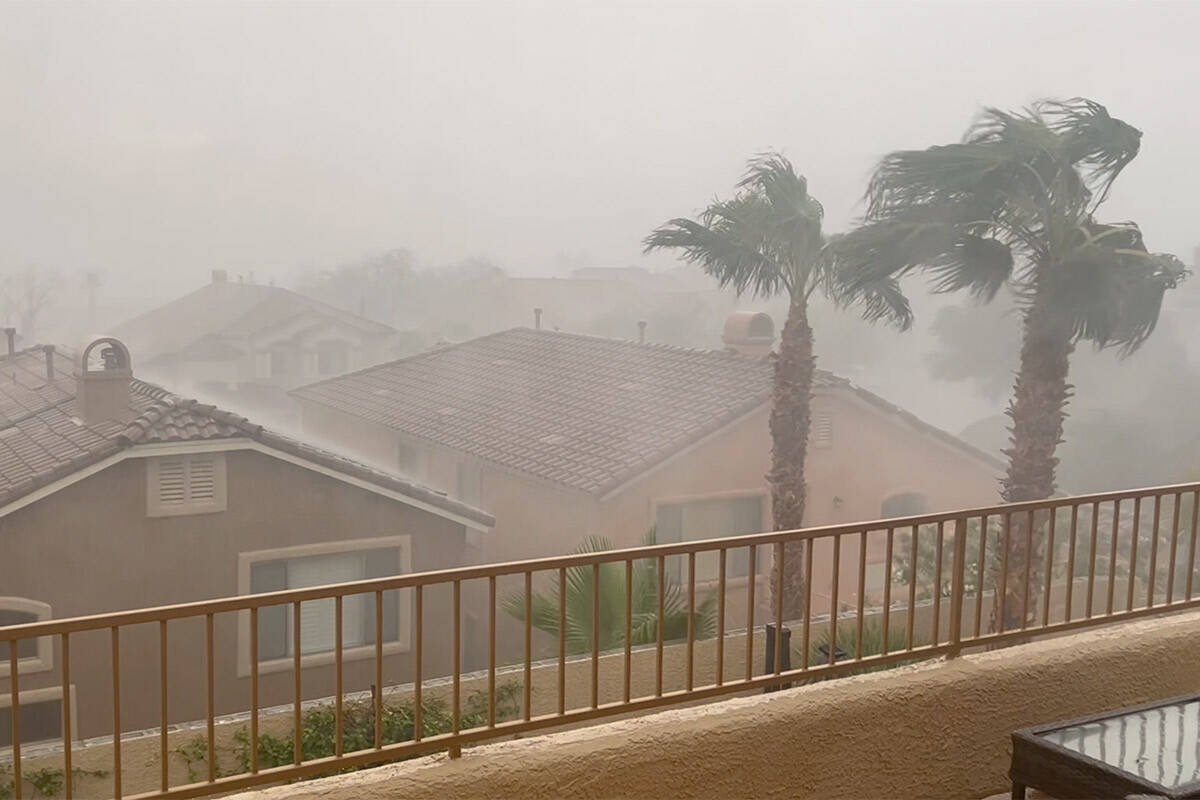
{"points": [[1112, 555], [1071, 562], [658, 659], [958, 579], [297, 715], [1002, 589], [806, 622], [1133, 549], [456, 701], [937, 585], [1153, 571], [527, 688], [751, 583], [912, 591], [210, 668], [596, 635], [562, 640], [1028, 570], [691, 627], [338, 677], [14, 710], [862, 590], [722, 559], [491, 717], [779, 567], [69, 785], [1174, 547], [163, 765], [982, 577], [628, 665], [886, 623], [833, 602], [1049, 562], [418, 662], [1191, 568], [378, 670], [254, 689], [1091, 586], [116, 706]]}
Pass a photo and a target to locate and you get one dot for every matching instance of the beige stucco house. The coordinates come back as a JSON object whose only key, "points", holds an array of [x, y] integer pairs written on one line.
{"points": [[117, 494], [246, 343], [562, 436]]}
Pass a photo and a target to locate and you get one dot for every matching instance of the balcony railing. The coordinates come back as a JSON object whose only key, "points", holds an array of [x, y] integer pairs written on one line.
{"points": [[1089, 567]]}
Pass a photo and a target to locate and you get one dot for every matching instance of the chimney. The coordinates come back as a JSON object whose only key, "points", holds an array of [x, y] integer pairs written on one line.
{"points": [[537, 319], [749, 333], [102, 391], [641, 331], [49, 352], [11, 333], [220, 276]]}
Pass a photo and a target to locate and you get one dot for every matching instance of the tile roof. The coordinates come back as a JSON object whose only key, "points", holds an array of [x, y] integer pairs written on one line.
{"points": [[220, 309], [41, 439], [584, 411]]}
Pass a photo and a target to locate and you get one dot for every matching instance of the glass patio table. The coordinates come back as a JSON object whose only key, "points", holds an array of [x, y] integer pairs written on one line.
{"points": [[1146, 751]]}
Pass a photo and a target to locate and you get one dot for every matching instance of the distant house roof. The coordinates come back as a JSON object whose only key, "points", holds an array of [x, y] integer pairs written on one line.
{"points": [[42, 441], [223, 309], [583, 411]]}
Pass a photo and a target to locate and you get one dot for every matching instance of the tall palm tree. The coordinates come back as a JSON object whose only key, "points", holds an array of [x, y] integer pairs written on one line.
{"points": [[610, 612], [767, 241], [1014, 204]]}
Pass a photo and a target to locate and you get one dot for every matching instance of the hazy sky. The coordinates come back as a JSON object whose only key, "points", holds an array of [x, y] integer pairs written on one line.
{"points": [[158, 140]]}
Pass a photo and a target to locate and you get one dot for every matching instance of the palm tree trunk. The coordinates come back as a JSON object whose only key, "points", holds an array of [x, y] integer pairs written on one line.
{"points": [[1037, 411], [794, 368]]}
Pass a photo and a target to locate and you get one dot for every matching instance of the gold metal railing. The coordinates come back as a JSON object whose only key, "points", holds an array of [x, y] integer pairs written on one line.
{"points": [[982, 549]]}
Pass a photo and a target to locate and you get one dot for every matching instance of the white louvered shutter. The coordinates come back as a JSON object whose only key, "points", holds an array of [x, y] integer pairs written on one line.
{"points": [[172, 482], [317, 616], [202, 480]]}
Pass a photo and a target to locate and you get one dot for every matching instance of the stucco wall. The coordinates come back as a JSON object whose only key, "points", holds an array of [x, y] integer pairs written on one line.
{"points": [[55, 552], [930, 731]]}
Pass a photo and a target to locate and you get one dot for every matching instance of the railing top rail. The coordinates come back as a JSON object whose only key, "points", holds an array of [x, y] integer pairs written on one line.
{"points": [[246, 602]]}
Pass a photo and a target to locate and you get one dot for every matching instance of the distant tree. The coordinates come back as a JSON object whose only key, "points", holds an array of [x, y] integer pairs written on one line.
{"points": [[1014, 204], [767, 241], [25, 295], [611, 604]]}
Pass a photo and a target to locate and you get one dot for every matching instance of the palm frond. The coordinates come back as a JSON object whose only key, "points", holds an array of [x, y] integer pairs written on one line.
{"points": [[1102, 144]]}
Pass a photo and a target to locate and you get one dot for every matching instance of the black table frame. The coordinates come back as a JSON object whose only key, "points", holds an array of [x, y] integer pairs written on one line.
{"points": [[1068, 774]]}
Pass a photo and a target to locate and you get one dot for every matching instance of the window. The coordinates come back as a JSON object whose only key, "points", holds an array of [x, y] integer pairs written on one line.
{"points": [[469, 483], [186, 484], [907, 504], [821, 434], [41, 716], [33, 655], [333, 358], [710, 518], [318, 565]]}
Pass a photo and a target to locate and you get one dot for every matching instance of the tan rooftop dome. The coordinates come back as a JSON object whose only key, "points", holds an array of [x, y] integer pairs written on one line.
{"points": [[751, 333]]}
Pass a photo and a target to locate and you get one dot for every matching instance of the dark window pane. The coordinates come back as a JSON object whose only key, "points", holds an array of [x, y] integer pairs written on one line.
{"points": [[271, 576], [39, 721], [383, 564], [909, 504], [26, 648]]}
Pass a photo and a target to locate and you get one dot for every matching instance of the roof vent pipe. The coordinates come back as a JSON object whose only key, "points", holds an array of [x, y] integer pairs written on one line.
{"points": [[11, 333], [49, 351], [642, 331], [537, 319]]}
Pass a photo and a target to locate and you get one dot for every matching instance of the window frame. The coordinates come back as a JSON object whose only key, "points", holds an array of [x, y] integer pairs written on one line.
{"points": [[44, 660], [403, 642], [189, 507], [34, 696], [762, 495]]}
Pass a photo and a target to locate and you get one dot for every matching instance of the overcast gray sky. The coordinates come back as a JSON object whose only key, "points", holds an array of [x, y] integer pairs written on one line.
{"points": [[158, 140]]}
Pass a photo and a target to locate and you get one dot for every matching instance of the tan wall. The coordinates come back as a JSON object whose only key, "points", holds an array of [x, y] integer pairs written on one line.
{"points": [[56, 552], [932, 731]]}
